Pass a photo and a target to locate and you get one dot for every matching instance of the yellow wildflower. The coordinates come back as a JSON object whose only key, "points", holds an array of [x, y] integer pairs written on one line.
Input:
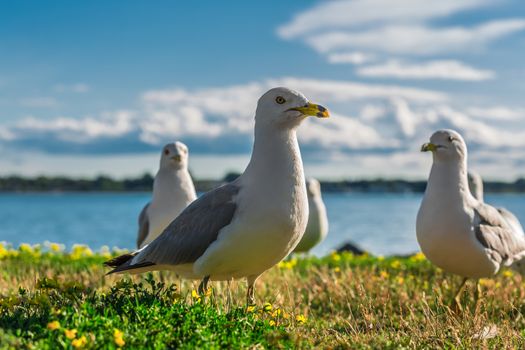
{"points": [[79, 251], [117, 337], [300, 319], [400, 280], [3, 251], [267, 307], [272, 323], [418, 257], [383, 274], [337, 269], [26, 248], [55, 247], [486, 282], [395, 264], [53, 325], [335, 256], [250, 309], [508, 273], [195, 295], [380, 258], [70, 333], [79, 343], [277, 313]]}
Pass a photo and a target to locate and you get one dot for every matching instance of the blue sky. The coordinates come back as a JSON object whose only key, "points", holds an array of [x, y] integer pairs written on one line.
{"points": [[98, 87]]}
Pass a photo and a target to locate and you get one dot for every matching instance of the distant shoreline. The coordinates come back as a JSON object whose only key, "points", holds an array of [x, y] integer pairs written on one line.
{"points": [[104, 184]]}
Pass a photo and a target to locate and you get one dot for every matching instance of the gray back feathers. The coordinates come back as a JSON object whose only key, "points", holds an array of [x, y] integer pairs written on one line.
{"points": [[143, 225], [191, 233], [494, 233]]}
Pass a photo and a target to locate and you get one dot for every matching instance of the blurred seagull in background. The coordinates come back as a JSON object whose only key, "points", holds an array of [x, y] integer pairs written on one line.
{"points": [[475, 183], [317, 227], [173, 191], [457, 232], [245, 227]]}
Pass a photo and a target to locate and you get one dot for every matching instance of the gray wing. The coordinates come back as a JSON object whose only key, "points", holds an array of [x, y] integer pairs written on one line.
{"points": [[511, 219], [497, 235], [143, 225], [192, 232]]}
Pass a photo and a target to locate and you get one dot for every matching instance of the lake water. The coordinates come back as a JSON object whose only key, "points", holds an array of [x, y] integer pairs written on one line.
{"points": [[380, 223]]}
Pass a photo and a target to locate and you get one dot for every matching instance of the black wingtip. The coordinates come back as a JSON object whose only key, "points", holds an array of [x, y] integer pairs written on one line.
{"points": [[119, 260]]}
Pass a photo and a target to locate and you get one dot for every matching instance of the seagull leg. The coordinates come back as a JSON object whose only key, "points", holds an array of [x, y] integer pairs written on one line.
{"points": [[250, 293], [479, 293], [457, 298], [203, 286]]}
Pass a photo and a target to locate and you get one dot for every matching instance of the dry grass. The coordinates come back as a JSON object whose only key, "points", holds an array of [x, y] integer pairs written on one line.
{"points": [[348, 302]]}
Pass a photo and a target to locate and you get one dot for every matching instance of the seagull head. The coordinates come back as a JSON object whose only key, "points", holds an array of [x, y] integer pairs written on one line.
{"points": [[313, 187], [174, 155], [283, 107], [446, 145]]}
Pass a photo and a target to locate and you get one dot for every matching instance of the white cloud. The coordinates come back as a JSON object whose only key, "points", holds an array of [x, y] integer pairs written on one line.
{"points": [[443, 69], [356, 13], [413, 39], [73, 130], [355, 31], [369, 122], [497, 113], [350, 57]]}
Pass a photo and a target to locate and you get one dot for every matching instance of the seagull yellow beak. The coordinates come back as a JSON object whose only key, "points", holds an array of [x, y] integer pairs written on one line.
{"points": [[313, 110], [177, 157], [428, 147]]}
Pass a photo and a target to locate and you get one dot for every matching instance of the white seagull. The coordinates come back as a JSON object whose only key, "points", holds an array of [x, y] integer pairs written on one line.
{"points": [[317, 227], [475, 183], [245, 227], [457, 232], [173, 191]]}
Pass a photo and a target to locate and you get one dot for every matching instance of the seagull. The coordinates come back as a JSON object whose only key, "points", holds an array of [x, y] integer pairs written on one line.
{"points": [[456, 231], [317, 227], [475, 183], [173, 190], [245, 227]]}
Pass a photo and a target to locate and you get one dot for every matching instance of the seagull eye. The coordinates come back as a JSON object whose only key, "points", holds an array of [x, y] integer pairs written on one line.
{"points": [[450, 139], [280, 100], [166, 151]]}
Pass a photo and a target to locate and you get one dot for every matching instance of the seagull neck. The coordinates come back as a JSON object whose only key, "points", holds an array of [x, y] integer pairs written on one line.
{"points": [[275, 154], [168, 181], [450, 178]]}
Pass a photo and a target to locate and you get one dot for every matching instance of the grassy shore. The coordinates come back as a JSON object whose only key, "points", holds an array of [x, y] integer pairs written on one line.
{"points": [[52, 299]]}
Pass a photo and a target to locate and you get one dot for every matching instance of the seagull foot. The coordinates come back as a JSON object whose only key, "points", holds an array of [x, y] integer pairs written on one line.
{"points": [[203, 286]]}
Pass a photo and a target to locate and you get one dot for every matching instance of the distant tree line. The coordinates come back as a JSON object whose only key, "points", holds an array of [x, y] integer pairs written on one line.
{"points": [[145, 183]]}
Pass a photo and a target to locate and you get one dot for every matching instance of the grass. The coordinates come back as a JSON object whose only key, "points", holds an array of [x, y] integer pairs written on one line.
{"points": [[51, 299]]}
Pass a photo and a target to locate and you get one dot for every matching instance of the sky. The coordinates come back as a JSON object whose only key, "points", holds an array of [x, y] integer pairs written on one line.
{"points": [[98, 87]]}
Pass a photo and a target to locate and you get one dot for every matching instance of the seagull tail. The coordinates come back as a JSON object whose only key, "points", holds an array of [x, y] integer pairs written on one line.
{"points": [[123, 263]]}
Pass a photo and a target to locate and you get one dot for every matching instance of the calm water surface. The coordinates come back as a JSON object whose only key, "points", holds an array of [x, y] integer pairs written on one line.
{"points": [[380, 223]]}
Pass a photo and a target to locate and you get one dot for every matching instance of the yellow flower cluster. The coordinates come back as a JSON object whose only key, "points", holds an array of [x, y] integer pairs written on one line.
{"points": [[301, 319], [118, 337], [396, 264], [53, 325], [287, 264], [79, 343], [418, 257], [80, 251]]}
